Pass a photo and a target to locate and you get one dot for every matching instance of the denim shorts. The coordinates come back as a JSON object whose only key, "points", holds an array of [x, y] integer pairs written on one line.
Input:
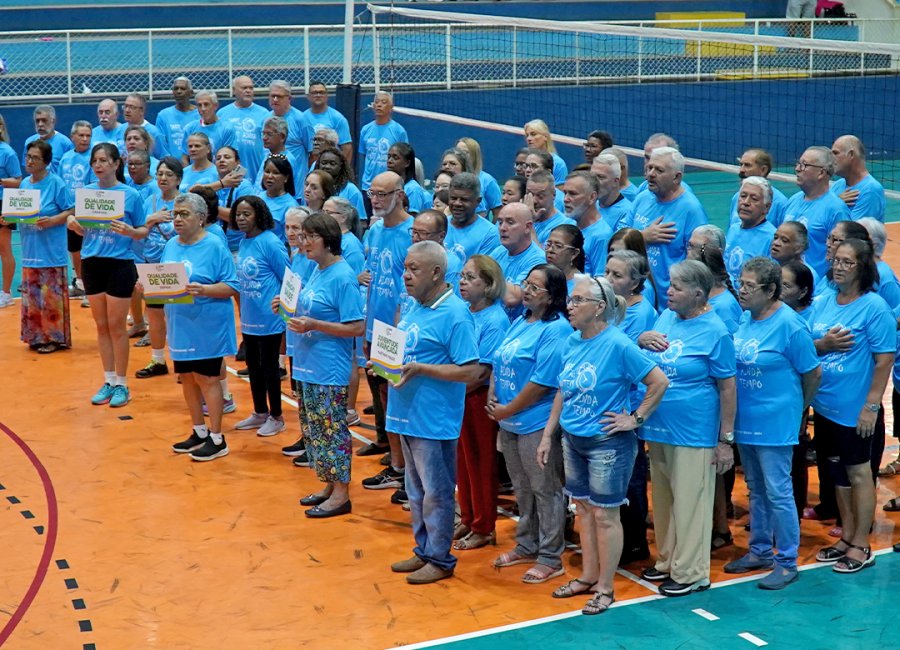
{"points": [[599, 468]]}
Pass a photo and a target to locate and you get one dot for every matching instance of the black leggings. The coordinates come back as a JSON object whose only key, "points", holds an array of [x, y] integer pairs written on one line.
{"points": [[265, 376]]}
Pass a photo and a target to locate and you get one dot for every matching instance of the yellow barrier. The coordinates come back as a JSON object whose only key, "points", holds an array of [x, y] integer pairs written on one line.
{"points": [[692, 19]]}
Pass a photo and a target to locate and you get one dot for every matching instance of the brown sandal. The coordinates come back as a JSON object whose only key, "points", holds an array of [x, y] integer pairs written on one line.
{"points": [[596, 605], [474, 540], [568, 589]]}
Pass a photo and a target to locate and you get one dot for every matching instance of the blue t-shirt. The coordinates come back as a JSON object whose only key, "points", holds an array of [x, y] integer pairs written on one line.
{"points": [[59, 144], [819, 216], [227, 196], [330, 118], [869, 203], [215, 229], [559, 201], [296, 169], [304, 268], [441, 334], [888, 287], [596, 242], [771, 355], [115, 135], [517, 267], [491, 325], [374, 142], [220, 134], [278, 206], [846, 376], [417, 196], [560, 170], [150, 248], [260, 269], [146, 190], [171, 124], [896, 373], [597, 377], [728, 309], [639, 318], [744, 243], [158, 150], [332, 295], [9, 164], [630, 191], [105, 243], [351, 192], [479, 237], [353, 253], [247, 124], [775, 215], [491, 195], [530, 352], [700, 352], [618, 214], [193, 177], [298, 139], [687, 214], [203, 329], [385, 254], [543, 228], [46, 248]]}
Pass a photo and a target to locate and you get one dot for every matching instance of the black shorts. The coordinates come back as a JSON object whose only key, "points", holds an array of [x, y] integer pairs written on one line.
{"points": [[73, 241], [10, 226], [204, 367], [109, 275], [849, 446], [153, 305]]}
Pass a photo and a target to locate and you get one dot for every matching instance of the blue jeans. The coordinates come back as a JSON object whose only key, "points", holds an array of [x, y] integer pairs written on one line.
{"points": [[598, 468], [431, 487], [773, 513]]}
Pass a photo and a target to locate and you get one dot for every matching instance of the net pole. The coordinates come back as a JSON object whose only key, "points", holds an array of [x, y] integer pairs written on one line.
{"points": [[348, 42]]}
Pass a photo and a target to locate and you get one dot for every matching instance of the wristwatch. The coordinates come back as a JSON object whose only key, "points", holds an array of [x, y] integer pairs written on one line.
{"points": [[727, 437], [638, 418], [873, 407]]}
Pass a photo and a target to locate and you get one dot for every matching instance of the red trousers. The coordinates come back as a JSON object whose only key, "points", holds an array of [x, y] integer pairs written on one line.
{"points": [[477, 465]]}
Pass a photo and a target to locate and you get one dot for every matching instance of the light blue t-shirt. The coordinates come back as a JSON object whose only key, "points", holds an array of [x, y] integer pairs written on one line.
{"points": [[374, 142], [596, 241], [247, 124], [896, 373], [687, 214], [560, 170], [351, 192], [353, 253], [728, 309], [215, 229], [278, 206], [105, 243], [227, 196], [530, 352], [630, 191], [479, 237], [115, 136], [869, 203], [59, 144], [846, 376], [385, 254], [517, 267], [260, 269], [205, 328], [771, 354], [743, 243], [417, 196], [597, 377], [775, 216], [150, 248], [193, 177], [295, 173], [441, 334], [700, 352], [146, 190], [330, 118], [297, 142], [639, 318], [171, 123], [819, 216], [46, 248], [559, 201], [158, 150], [491, 195], [220, 134], [491, 325], [9, 164], [617, 215], [888, 287], [543, 228], [332, 295], [304, 268], [151, 175]]}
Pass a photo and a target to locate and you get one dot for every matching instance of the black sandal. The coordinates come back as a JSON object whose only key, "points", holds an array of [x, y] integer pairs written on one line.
{"points": [[595, 605], [892, 505], [848, 565], [833, 553]]}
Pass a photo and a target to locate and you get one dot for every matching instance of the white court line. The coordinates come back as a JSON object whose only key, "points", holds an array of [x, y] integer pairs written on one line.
{"points": [[755, 640], [639, 580], [709, 616]]}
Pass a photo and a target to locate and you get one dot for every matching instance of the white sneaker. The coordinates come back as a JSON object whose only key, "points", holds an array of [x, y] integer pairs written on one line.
{"points": [[271, 427], [255, 421], [6, 300]]}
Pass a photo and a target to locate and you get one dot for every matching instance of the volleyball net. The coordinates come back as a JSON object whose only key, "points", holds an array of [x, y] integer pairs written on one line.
{"points": [[718, 91]]}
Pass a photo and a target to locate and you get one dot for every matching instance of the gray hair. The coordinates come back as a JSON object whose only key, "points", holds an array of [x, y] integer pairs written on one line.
{"points": [[825, 158], [384, 93], [183, 78], [284, 85], [801, 231], [209, 94], [195, 204], [693, 274], [349, 214], [460, 155], [619, 154], [714, 235], [466, 181], [278, 123], [767, 271], [433, 253], [46, 109], [610, 161], [330, 136], [139, 97], [142, 154], [601, 289], [665, 138], [759, 181], [676, 160], [78, 124], [301, 212], [637, 265], [876, 232]]}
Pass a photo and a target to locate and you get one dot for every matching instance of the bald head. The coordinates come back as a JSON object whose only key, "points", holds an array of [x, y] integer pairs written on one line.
{"points": [[242, 89], [849, 158], [515, 224], [384, 193]]}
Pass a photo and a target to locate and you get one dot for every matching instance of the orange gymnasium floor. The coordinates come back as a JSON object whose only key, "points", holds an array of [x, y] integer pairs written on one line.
{"points": [[115, 542]]}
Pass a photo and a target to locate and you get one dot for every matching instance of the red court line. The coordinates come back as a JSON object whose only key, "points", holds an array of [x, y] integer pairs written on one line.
{"points": [[49, 540]]}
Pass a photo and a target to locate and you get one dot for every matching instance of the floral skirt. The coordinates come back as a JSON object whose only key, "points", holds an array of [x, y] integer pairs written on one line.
{"points": [[45, 307], [327, 437]]}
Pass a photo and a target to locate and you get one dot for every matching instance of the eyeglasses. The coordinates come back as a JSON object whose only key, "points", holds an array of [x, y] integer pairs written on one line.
{"points": [[182, 214], [701, 247], [530, 287], [842, 263], [318, 92], [34, 158], [380, 195], [423, 234], [132, 163], [556, 247], [747, 287], [579, 300], [468, 277], [801, 166], [834, 241]]}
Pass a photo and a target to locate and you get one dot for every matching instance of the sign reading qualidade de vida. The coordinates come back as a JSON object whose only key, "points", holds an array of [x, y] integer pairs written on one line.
{"points": [[164, 283], [21, 206], [290, 292], [98, 208], [388, 346]]}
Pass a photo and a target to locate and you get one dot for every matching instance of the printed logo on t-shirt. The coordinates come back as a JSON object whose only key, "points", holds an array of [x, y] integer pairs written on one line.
{"points": [[249, 268], [747, 350], [735, 258], [586, 379], [508, 351], [386, 260], [412, 340], [672, 353]]}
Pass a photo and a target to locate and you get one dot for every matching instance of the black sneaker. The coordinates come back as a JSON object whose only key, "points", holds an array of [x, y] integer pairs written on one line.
{"points": [[152, 369], [243, 372], [672, 589], [189, 445], [384, 480], [295, 449], [241, 353], [210, 450], [302, 459], [369, 410], [399, 496], [282, 372], [652, 575]]}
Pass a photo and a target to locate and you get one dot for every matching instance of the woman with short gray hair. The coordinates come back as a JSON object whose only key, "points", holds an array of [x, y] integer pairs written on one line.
{"points": [[888, 286]]}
